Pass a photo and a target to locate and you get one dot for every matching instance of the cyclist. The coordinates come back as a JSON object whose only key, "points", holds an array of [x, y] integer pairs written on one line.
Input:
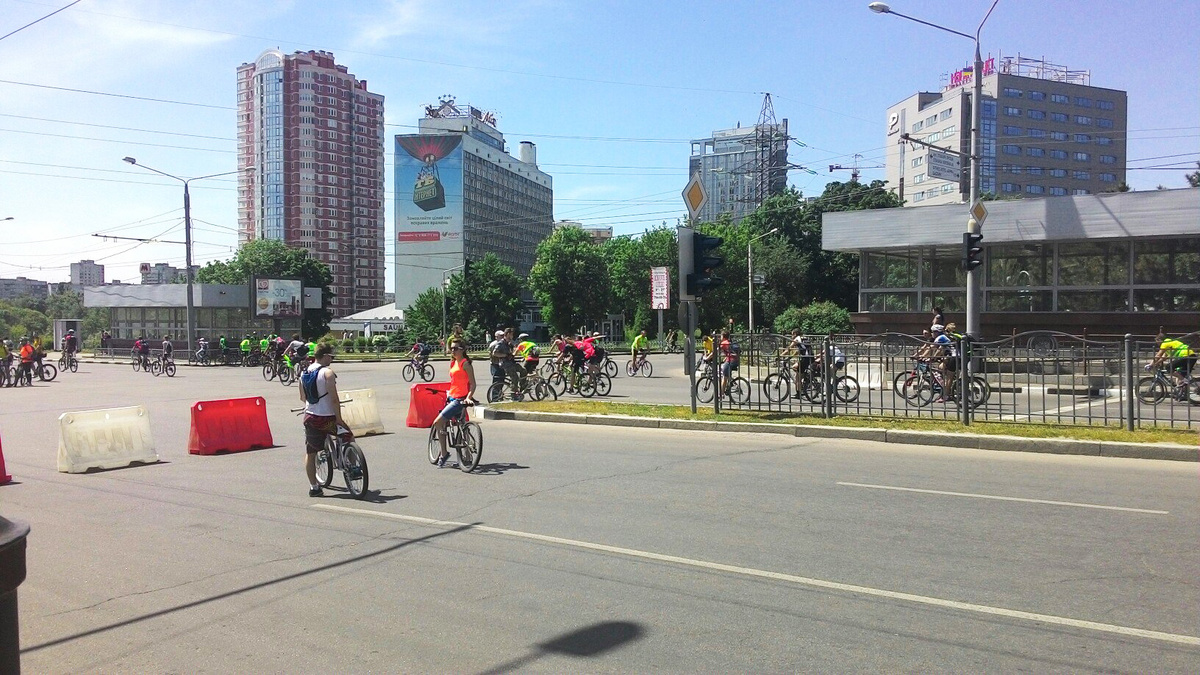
{"points": [[264, 344], [460, 394], [26, 370], [804, 360], [639, 348], [573, 352], [142, 347], [223, 344], [297, 351], [949, 352], [70, 344], [673, 339], [1183, 359], [202, 351], [323, 417], [420, 352], [559, 345], [732, 354], [530, 354], [168, 350], [6, 355], [497, 349]]}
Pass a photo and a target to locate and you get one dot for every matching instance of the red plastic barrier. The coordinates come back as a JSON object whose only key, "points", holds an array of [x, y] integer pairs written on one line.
{"points": [[425, 402], [4, 477], [231, 425]]}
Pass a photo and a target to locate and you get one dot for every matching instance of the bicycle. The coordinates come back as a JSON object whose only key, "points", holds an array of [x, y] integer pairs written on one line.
{"points": [[641, 367], [46, 372], [594, 382], [737, 392], [464, 436], [609, 367], [68, 362], [342, 455], [416, 367], [532, 385], [923, 383], [1152, 390], [163, 365], [778, 385]]}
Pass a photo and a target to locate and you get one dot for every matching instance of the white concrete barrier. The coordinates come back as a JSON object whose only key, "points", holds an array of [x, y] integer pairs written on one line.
{"points": [[104, 439], [360, 411]]}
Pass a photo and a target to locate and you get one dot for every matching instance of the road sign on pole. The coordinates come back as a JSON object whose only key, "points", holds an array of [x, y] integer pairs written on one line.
{"points": [[979, 213], [660, 288], [944, 165], [694, 196]]}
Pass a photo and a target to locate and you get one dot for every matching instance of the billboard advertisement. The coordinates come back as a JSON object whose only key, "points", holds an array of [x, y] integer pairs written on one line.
{"points": [[276, 298], [429, 211]]}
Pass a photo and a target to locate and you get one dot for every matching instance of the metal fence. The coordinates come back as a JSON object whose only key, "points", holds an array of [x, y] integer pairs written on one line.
{"points": [[1043, 377]]}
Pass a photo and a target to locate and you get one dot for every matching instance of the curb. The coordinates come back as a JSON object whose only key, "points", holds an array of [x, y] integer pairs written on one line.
{"points": [[1057, 446]]}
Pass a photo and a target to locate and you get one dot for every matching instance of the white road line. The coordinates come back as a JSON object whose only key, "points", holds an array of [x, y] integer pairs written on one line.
{"points": [[1006, 499], [779, 576]]}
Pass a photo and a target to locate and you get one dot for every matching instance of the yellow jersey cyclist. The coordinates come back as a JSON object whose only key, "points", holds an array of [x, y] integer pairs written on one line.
{"points": [[529, 352], [1183, 359], [639, 348]]}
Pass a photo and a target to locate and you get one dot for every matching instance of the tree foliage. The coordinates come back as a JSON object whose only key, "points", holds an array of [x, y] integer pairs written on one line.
{"points": [[1193, 178], [629, 261], [818, 318], [570, 280], [423, 318], [490, 295], [272, 258]]}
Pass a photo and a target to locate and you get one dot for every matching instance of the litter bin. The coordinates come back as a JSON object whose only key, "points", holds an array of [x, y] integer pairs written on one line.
{"points": [[12, 573]]}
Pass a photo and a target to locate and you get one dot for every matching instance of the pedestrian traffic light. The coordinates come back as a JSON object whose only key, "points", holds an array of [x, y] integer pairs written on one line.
{"points": [[704, 261], [972, 255]]}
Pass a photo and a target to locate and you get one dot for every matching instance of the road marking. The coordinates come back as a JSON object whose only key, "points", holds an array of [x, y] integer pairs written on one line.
{"points": [[791, 578], [1006, 499]]}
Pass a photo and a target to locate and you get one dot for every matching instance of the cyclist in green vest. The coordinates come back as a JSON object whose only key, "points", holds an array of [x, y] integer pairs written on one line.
{"points": [[245, 346], [639, 348], [263, 343], [1183, 359]]}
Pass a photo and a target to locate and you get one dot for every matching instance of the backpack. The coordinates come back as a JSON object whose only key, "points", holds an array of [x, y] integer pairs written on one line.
{"points": [[308, 380], [735, 349]]}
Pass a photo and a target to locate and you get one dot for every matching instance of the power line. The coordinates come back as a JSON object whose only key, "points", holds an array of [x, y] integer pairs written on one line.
{"points": [[40, 20], [126, 96], [114, 140], [108, 126]]}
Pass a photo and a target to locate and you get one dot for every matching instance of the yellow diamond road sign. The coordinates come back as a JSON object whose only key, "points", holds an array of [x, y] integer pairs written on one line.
{"points": [[694, 196], [978, 213]]}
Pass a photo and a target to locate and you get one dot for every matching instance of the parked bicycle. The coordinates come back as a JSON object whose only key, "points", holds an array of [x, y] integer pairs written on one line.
{"points": [[464, 436]]}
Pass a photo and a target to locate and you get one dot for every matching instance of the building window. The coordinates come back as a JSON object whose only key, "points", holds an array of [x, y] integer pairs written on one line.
{"points": [[1034, 170], [1083, 138], [1083, 120], [931, 120], [918, 161], [1058, 173], [1037, 133], [1012, 93], [1035, 189], [1011, 149], [1057, 191], [1037, 96], [1020, 265], [1010, 187], [949, 131], [948, 187], [945, 114], [890, 270], [1108, 159], [1010, 168], [1081, 157], [1104, 123], [1035, 152], [935, 136], [1058, 135], [1012, 112], [917, 126], [1166, 261], [1108, 178], [1081, 175], [1080, 191], [1103, 140], [1012, 131], [918, 197], [1058, 117], [1104, 105], [1058, 154], [919, 178], [1037, 114], [1093, 264], [1059, 98], [1083, 101]]}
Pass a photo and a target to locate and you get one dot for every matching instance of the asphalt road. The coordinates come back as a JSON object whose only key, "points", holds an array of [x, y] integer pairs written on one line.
{"points": [[589, 549]]}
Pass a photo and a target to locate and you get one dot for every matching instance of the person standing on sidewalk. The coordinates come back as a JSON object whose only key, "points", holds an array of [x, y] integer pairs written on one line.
{"points": [[322, 411]]}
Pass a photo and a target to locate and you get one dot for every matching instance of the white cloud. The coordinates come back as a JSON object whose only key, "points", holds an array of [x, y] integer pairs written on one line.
{"points": [[442, 25]]}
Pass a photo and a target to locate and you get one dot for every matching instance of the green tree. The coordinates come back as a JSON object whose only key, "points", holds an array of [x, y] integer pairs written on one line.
{"points": [[272, 258], [570, 279], [17, 322], [819, 318], [629, 261], [423, 318], [1193, 178], [490, 294]]}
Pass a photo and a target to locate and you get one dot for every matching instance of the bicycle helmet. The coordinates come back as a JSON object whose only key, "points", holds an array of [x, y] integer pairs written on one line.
{"points": [[522, 336], [937, 328], [499, 334]]}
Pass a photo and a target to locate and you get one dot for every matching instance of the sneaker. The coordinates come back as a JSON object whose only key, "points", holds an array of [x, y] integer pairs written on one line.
{"points": [[316, 491], [442, 460]]}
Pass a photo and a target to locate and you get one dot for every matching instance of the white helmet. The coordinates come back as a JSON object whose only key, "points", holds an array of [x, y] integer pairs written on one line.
{"points": [[937, 328], [499, 334]]}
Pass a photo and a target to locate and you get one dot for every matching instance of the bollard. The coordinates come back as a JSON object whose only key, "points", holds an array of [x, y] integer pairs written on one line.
{"points": [[1130, 385], [12, 573]]}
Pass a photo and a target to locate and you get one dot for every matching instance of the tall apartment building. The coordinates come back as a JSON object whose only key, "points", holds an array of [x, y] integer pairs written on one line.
{"points": [[10, 289], [87, 273], [310, 151], [740, 168], [460, 196], [1045, 131], [162, 273]]}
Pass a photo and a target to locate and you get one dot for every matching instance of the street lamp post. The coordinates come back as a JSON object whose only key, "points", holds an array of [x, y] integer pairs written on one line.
{"points": [[187, 240], [750, 272], [974, 287]]}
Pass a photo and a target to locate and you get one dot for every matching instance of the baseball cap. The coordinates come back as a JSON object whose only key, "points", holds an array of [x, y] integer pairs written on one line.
{"points": [[937, 328]]}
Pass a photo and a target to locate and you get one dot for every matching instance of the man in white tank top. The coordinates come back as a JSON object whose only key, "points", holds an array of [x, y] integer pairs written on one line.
{"points": [[321, 418]]}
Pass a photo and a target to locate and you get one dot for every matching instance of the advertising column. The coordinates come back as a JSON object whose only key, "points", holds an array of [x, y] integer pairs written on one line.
{"points": [[429, 212]]}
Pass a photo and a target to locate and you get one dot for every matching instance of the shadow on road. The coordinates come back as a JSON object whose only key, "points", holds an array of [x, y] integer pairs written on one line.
{"points": [[497, 468], [372, 496], [587, 642]]}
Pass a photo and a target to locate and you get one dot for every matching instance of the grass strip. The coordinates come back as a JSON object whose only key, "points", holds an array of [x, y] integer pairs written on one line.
{"points": [[1029, 430]]}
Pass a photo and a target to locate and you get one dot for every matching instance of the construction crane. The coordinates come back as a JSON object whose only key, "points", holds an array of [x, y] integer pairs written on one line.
{"points": [[855, 170]]}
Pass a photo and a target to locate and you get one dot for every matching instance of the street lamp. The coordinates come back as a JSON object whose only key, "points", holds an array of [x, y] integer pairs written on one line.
{"points": [[187, 239], [750, 271], [974, 287]]}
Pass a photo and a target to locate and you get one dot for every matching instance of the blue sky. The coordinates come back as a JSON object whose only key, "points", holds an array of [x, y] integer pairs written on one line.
{"points": [[611, 92]]}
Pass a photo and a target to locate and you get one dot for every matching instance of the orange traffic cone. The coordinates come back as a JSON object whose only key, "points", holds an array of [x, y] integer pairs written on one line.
{"points": [[4, 477]]}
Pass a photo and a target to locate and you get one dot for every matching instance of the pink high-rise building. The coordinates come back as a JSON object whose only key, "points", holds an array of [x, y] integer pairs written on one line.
{"points": [[310, 151]]}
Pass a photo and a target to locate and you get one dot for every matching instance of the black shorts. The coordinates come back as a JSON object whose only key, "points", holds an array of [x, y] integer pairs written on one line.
{"points": [[1185, 364], [950, 363], [531, 366]]}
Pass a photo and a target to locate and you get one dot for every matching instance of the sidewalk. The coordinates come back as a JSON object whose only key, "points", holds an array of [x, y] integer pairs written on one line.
{"points": [[1059, 446]]}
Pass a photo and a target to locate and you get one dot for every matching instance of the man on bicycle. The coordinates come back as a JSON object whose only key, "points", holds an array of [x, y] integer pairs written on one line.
{"points": [[297, 350], [732, 354], [168, 350], [529, 353], [420, 352], [323, 417], [245, 347], [142, 347], [1183, 359], [202, 351], [639, 348], [460, 394], [70, 344], [804, 360]]}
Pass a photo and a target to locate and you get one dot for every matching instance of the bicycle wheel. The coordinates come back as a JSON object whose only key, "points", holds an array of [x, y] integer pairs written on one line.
{"points": [[325, 462], [74, 365], [470, 448], [49, 372], [1193, 392], [814, 390], [705, 389], [845, 388], [1151, 390], [557, 383], [495, 393], [435, 446], [268, 371], [776, 388], [354, 469], [427, 372], [899, 381], [629, 369], [546, 369], [981, 391], [603, 384], [587, 386], [137, 364], [408, 372], [545, 391], [169, 369], [918, 390], [610, 367], [739, 390], [647, 369]]}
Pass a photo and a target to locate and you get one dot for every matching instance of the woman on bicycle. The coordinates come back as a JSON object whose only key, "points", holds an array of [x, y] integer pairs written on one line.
{"points": [[460, 395]]}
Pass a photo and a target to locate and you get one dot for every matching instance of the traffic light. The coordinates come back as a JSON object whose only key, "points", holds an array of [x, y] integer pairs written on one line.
{"points": [[466, 268], [972, 255], [704, 261]]}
